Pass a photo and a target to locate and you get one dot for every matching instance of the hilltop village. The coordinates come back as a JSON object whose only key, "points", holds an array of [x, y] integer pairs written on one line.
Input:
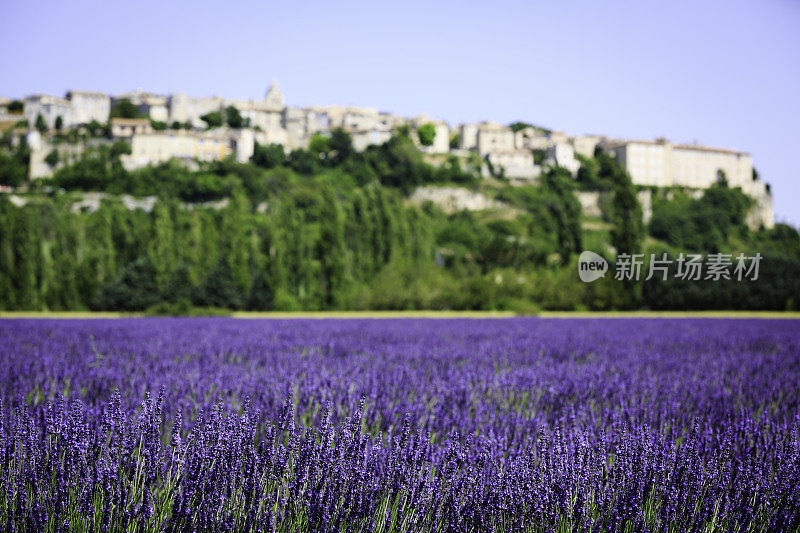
{"points": [[159, 128]]}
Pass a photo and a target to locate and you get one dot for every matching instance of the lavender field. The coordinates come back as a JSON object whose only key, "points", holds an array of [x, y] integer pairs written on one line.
{"points": [[400, 425]]}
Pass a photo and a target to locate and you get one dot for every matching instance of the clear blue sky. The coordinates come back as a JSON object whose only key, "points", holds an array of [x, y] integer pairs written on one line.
{"points": [[725, 74]]}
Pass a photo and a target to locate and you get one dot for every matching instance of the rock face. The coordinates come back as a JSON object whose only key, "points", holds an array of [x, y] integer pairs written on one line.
{"points": [[592, 203], [452, 199], [90, 202], [646, 201], [762, 213]]}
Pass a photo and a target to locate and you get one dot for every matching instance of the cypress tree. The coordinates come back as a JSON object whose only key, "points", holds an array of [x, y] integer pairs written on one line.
{"points": [[331, 249], [162, 247], [626, 215], [235, 244]]}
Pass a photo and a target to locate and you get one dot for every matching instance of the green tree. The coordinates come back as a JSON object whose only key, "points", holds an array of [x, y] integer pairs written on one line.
{"points": [[210, 243], [212, 119], [96, 129], [426, 134], [14, 166], [163, 248], [706, 224], [134, 290], [519, 126], [191, 255], [341, 144], [40, 124], [95, 170], [120, 147], [233, 118], [180, 286], [124, 108], [15, 107], [589, 178], [398, 163], [8, 212], [455, 141], [262, 295], [565, 210], [357, 235], [782, 239], [273, 267], [268, 156], [52, 158], [319, 145], [220, 289], [100, 254], [627, 233], [304, 162], [25, 235], [331, 249], [59, 123], [235, 243]]}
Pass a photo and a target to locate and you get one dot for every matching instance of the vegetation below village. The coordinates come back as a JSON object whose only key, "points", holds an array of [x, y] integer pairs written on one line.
{"points": [[332, 228]]}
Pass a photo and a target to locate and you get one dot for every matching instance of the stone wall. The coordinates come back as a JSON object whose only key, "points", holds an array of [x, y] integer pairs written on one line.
{"points": [[592, 203], [452, 199]]}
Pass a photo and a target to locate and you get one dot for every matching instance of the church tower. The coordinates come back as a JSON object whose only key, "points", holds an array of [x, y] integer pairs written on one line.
{"points": [[274, 96]]}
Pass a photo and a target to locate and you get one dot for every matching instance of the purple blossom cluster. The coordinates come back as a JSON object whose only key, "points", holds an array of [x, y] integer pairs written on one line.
{"points": [[400, 425]]}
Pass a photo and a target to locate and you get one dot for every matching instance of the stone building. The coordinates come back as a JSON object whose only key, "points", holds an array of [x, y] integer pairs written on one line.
{"points": [[153, 105], [125, 128], [188, 110], [41, 147], [531, 139], [365, 138], [50, 108], [585, 145], [8, 118], [441, 139], [664, 164], [206, 146], [365, 125], [561, 154], [516, 165], [274, 97], [89, 106], [468, 136], [272, 136], [266, 114], [295, 122], [661, 163], [493, 137]]}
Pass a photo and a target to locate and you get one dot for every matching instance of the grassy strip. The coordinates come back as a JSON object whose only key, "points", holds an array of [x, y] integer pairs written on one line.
{"points": [[670, 314], [794, 315]]}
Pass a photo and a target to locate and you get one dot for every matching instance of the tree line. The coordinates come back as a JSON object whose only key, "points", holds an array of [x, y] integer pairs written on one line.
{"points": [[330, 228]]}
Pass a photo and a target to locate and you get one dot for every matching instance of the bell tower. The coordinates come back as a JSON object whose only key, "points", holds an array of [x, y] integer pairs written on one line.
{"points": [[274, 96]]}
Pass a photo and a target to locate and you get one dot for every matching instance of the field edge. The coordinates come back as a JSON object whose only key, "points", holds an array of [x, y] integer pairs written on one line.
{"points": [[282, 315]]}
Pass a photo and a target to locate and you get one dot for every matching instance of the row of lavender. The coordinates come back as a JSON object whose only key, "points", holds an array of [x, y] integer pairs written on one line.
{"points": [[403, 425]]}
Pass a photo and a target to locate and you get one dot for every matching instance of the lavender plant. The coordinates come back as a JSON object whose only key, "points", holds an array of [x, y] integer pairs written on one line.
{"points": [[400, 425]]}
